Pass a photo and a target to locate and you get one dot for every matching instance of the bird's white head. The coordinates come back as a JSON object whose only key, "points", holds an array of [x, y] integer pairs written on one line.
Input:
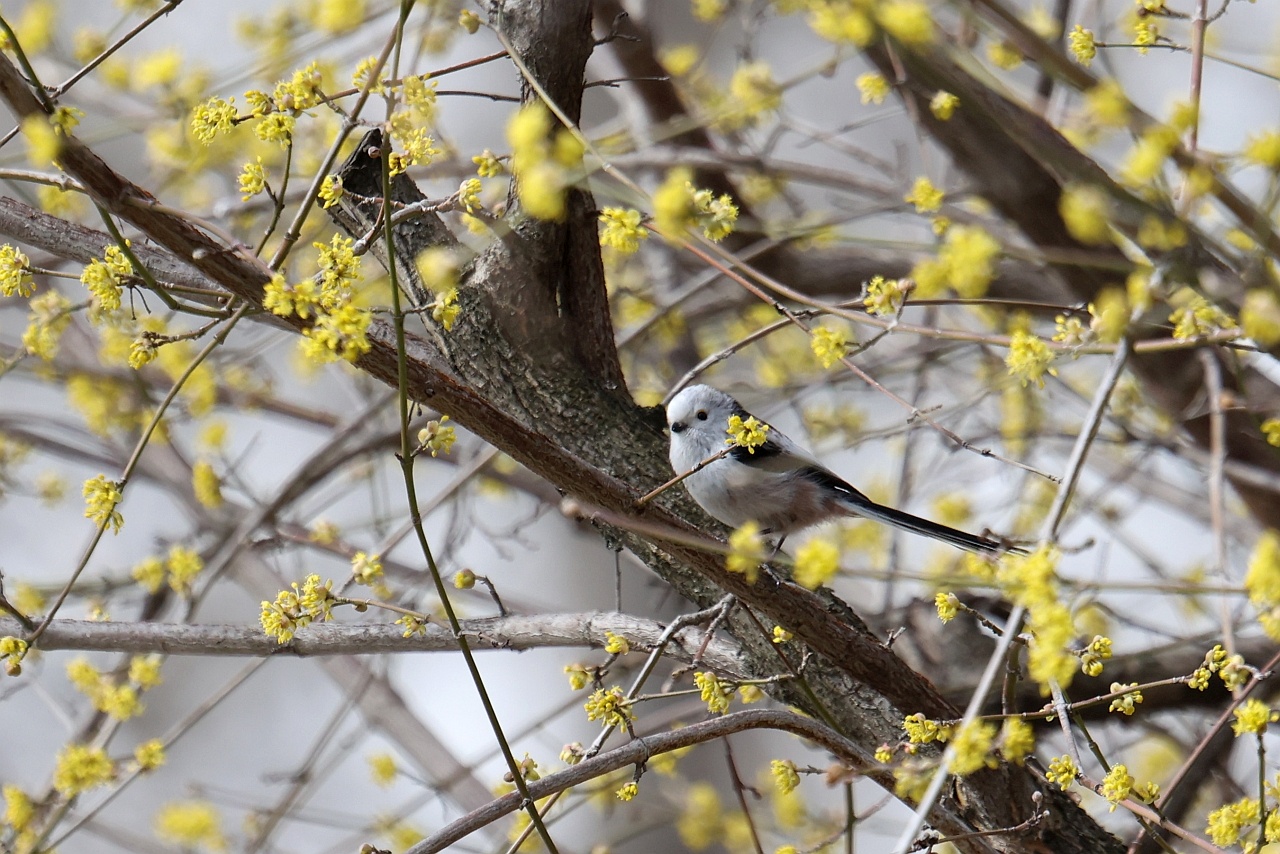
{"points": [[701, 409]]}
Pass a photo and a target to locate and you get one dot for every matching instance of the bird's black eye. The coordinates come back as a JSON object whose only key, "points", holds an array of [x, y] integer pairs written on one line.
{"points": [[702, 414]]}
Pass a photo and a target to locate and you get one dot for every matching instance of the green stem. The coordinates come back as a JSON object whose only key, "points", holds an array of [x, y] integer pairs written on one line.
{"points": [[407, 448]]}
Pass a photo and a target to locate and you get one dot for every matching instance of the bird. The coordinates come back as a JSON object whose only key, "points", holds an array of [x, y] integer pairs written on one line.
{"points": [[778, 484]]}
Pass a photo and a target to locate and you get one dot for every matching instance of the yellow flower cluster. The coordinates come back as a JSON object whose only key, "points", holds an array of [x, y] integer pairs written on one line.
{"points": [[101, 498], [1199, 317], [947, 605], [713, 692], [105, 278], [12, 650], [80, 768], [1228, 823], [366, 568], [753, 93], [1126, 704], [616, 644], [111, 696], [1262, 581], [746, 551], [678, 206], [1252, 716], [622, 229], [1098, 651], [749, 434], [610, 706], [1063, 771], [436, 437], [925, 196], [817, 562], [213, 117], [15, 272], [181, 567], [874, 87], [545, 164], [965, 262], [829, 345], [921, 730], [973, 746], [885, 296], [943, 105], [292, 610], [1080, 43], [50, 315], [784, 775], [191, 825], [1029, 358], [1230, 669]]}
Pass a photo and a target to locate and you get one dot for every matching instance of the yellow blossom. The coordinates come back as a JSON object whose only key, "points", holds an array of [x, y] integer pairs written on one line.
{"points": [[1263, 149], [102, 497], [908, 21], [436, 437], [183, 566], [627, 792], [701, 821], [615, 644], [714, 693], [1063, 771], [1259, 316], [749, 434], [382, 768], [1086, 211], [947, 606], [1199, 317], [80, 768], [366, 568], [1117, 785], [1080, 42], [1252, 716], [622, 230], [817, 562], [973, 748], [754, 91], [1029, 358], [746, 551], [874, 87], [885, 296], [921, 730], [678, 206], [943, 105], [1126, 704], [330, 191], [828, 345], [213, 117], [1017, 739], [784, 775], [149, 574], [43, 143], [191, 824], [15, 272], [206, 485], [1227, 823], [925, 196], [1004, 55], [611, 707]]}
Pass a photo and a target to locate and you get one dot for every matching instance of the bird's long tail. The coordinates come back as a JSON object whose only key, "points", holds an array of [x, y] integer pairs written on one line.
{"points": [[925, 528]]}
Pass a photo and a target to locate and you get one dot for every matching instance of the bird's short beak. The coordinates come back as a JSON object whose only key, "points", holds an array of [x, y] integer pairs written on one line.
{"points": [[678, 427]]}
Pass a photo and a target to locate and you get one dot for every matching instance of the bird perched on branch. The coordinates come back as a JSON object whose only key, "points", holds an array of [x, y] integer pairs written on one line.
{"points": [[772, 480]]}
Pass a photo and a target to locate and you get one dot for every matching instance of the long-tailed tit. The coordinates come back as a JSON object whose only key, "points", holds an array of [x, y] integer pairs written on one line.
{"points": [[778, 484]]}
